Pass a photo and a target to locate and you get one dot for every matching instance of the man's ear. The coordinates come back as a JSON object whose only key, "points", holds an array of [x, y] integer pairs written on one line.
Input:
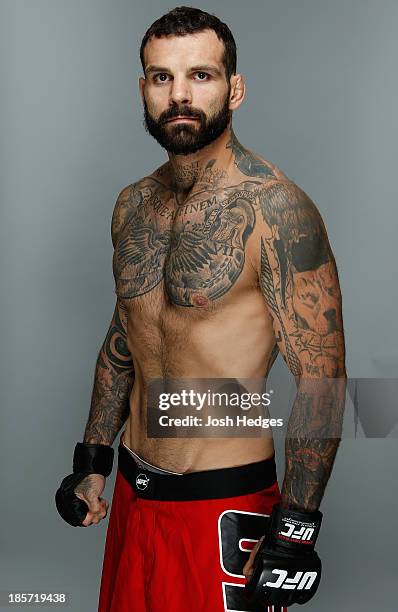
{"points": [[141, 85], [238, 91]]}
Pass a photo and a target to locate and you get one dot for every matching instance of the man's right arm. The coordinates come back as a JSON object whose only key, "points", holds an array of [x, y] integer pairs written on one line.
{"points": [[78, 498], [113, 381], [114, 370]]}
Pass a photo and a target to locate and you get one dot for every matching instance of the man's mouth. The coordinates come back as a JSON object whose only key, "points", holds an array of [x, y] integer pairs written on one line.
{"points": [[181, 118]]}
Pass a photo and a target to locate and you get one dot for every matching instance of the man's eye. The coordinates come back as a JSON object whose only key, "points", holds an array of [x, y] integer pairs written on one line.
{"points": [[159, 77], [202, 75]]}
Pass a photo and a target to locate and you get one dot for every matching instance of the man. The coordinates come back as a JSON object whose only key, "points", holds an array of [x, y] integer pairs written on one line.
{"points": [[220, 261]]}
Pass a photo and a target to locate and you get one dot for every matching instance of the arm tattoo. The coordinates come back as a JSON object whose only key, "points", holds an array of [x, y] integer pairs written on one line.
{"points": [[299, 282], [312, 441], [268, 292], [114, 378]]}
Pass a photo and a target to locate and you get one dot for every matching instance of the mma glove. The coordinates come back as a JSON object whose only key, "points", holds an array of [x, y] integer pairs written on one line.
{"points": [[286, 569], [87, 459]]}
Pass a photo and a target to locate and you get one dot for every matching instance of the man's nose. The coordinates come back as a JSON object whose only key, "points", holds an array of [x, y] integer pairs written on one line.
{"points": [[180, 92]]}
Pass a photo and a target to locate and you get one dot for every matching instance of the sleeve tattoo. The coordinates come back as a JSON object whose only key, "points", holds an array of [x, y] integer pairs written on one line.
{"points": [[114, 371], [299, 281], [113, 381]]}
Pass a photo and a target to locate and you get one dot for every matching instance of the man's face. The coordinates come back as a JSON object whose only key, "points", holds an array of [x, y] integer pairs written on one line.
{"points": [[185, 92]]}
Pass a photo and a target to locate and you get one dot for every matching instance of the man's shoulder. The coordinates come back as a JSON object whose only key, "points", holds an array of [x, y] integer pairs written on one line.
{"points": [[276, 193], [126, 204], [134, 194], [131, 192], [280, 204], [268, 180], [286, 212], [281, 198]]}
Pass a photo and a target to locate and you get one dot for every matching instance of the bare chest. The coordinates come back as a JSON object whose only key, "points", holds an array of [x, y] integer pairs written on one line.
{"points": [[191, 255]]}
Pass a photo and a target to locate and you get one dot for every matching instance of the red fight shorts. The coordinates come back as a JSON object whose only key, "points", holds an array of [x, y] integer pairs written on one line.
{"points": [[178, 543]]}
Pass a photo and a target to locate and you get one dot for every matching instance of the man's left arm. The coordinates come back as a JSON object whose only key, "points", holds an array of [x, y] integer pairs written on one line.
{"points": [[299, 281]]}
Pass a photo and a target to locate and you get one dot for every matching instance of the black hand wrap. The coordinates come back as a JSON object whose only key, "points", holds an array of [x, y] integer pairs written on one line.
{"points": [[287, 570], [87, 459]]}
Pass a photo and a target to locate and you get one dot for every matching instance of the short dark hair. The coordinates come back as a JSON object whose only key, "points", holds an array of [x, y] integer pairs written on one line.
{"points": [[184, 20]]}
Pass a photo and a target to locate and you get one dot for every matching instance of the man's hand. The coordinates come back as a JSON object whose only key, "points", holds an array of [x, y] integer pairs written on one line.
{"points": [[249, 565], [89, 490], [78, 498], [283, 568]]}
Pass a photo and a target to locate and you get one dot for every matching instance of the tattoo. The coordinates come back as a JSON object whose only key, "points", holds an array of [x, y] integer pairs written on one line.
{"points": [[269, 294], [197, 249], [313, 438], [143, 241], [299, 281], [114, 378], [115, 345], [207, 251], [85, 486], [247, 162], [190, 173], [300, 284]]}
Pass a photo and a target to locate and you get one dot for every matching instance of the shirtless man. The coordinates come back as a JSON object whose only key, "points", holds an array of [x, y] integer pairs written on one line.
{"points": [[220, 261]]}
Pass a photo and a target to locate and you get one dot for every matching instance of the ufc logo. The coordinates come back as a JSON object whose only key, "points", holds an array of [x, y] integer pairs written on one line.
{"points": [[302, 580], [305, 533]]}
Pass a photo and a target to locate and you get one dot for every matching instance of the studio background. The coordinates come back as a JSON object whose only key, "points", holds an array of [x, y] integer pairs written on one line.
{"points": [[321, 104]]}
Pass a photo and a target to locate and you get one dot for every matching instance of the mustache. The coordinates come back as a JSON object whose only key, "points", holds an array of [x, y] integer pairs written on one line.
{"points": [[172, 113]]}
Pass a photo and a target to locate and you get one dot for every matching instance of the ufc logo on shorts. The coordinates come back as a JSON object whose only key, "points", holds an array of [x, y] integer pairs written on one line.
{"points": [[142, 481], [236, 529], [302, 580], [303, 534]]}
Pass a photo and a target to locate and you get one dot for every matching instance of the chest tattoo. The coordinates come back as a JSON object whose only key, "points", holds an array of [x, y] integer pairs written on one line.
{"points": [[197, 249], [207, 252], [143, 243]]}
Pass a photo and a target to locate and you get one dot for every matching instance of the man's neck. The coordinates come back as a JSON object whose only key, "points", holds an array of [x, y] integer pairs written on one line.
{"points": [[205, 166]]}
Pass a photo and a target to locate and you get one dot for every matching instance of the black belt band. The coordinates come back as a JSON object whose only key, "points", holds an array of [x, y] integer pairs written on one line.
{"points": [[206, 484]]}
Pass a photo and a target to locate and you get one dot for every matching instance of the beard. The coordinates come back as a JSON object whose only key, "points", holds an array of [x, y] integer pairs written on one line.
{"points": [[186, 138]]}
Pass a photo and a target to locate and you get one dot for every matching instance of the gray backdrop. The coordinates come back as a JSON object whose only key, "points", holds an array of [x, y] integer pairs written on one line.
{"points": [[321, 104]]}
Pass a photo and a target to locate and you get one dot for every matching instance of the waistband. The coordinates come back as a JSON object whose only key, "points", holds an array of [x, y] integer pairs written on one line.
{"points": [[190, 486]]}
